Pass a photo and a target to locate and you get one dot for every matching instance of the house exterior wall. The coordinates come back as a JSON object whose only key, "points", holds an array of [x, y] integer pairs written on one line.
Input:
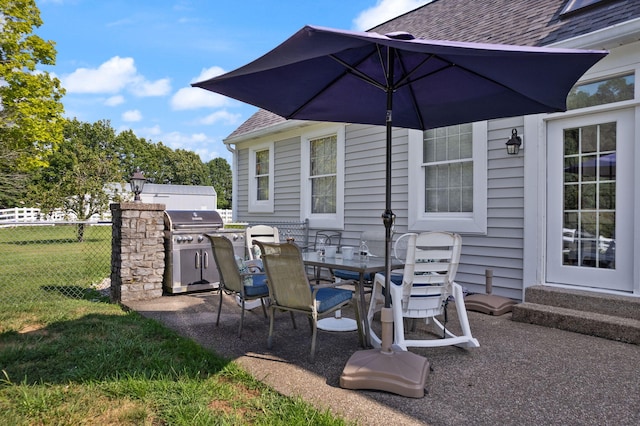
{"points": [[514, 245], [364, 195]]}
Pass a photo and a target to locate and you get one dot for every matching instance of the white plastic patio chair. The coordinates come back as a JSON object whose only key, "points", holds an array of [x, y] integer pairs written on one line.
{"points": [[262, 233], [430, 267]]}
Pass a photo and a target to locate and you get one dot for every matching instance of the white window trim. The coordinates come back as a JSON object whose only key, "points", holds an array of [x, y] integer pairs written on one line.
{"points": [[322, 221], [255, 205], [475, 222]]}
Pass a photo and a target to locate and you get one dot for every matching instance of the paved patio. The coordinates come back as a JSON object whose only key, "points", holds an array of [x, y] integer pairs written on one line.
{"points": [[521, 374]]}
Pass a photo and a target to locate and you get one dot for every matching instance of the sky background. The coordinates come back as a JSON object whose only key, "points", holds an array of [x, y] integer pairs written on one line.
{"points": [[132, 61]]}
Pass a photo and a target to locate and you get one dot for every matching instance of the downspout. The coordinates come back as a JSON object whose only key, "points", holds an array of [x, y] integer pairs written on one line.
{"points": [[234, 179]]}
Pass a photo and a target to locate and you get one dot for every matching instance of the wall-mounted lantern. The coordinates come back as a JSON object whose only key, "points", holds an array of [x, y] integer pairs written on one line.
{"points": [[513, 144]]}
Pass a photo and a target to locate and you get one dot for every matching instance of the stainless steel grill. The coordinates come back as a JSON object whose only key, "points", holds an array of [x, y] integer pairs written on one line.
{"points": [[190, 265]]}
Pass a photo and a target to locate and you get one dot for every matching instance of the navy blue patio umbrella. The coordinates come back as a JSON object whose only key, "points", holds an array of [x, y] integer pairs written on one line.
{"points": [[325, 74]]}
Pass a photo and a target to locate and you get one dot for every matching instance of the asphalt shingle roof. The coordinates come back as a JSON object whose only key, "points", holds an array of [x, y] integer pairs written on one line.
{"points": [[518, 22]]}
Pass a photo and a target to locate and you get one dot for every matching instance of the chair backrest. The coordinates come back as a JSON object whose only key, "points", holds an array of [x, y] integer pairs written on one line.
{"points": [[262, 233], [226, 262], [431, 263], [286, 275], [329, 238], [436, 257]]}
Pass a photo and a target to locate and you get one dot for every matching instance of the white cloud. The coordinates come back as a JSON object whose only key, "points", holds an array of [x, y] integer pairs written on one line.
{"points": [[383, 11], [145, 88], [195, 97], [132, 115], [208, 73], [220, 116], [114, 100], [149, 132], [113, 76]]}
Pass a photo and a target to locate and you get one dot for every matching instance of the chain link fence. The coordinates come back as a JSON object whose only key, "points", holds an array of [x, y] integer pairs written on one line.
{"points": [[54, 260]]}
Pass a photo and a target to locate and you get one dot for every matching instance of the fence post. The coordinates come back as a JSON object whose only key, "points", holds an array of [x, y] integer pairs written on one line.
{"points": [[137, 251]]}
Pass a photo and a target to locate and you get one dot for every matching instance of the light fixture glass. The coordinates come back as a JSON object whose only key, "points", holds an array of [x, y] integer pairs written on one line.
{"points": [[513, 144], [137, 182]]}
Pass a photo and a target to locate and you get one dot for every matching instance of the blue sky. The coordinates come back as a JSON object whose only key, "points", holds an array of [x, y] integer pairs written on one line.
{"points": [[132, 61]]}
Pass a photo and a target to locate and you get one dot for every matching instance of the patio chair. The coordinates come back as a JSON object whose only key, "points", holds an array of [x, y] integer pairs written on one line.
{"points": [[263, 233], [320, 241], [290, 289], [430, 267], [235, 277]]}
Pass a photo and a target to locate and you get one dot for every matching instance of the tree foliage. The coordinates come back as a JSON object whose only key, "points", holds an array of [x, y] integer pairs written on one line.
{"points": [[221, 179], [79, 171], [31, 114]]}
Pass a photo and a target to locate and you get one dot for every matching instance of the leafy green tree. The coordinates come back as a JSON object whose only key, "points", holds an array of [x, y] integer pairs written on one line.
{"points": [[31, 112], [221, 178], [12, 181], [79, 172]]}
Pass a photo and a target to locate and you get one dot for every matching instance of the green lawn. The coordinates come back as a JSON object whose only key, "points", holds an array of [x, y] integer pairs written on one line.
{"points": [[69, 360]]}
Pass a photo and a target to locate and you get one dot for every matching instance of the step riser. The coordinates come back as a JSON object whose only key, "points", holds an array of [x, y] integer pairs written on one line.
{"points": [[608, 316], [620, 306], [578, 322]]}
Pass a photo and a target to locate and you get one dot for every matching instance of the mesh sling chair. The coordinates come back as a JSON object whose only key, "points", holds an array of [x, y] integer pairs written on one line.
{"points": [[235, 277], [427, 282], [290, 289]]}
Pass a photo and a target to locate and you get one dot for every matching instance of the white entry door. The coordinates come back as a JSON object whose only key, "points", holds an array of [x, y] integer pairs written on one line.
{"points": [[590, 201]]}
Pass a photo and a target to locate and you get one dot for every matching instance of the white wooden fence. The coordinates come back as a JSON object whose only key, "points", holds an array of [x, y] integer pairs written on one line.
{"points": [[28, 214]]}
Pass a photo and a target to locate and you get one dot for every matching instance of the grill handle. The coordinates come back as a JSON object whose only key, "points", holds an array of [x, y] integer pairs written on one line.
{"points": [[205, 259], [197, 260]]}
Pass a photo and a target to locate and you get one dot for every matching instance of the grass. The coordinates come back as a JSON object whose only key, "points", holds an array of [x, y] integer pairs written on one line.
{"points": [[69, 361], [41, 262]]}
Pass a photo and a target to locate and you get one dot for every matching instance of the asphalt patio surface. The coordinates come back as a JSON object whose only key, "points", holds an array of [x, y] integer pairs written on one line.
{"points": [[520, 374]]}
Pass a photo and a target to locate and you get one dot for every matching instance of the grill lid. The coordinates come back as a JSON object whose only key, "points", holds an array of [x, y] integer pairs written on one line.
{"points": [[192, 219]]}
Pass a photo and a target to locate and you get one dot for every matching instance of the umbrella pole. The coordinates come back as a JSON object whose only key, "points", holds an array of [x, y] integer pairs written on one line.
{"points": [[386, 369]]}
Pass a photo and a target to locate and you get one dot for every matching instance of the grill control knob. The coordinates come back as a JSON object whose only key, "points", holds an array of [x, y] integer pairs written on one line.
{"points": [[200, 238], [178, 239], [189, 238]]}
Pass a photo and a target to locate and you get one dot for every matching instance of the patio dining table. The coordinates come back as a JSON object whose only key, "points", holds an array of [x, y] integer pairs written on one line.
{"points": [[363, 267]]}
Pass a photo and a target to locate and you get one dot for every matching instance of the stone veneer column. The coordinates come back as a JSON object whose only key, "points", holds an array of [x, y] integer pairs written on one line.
{"points": [[137, 251]]}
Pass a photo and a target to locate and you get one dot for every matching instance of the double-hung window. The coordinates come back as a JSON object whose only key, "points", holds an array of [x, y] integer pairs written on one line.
{"points": [[447, 179], [322, 200], [261, 178]]}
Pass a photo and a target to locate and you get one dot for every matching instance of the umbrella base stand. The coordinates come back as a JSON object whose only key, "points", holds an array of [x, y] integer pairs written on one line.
{"points": [[400, 372], [488, 304]]}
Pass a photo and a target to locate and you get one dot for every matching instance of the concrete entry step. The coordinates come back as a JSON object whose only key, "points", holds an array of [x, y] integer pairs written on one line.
{"points": [[612, 317]]}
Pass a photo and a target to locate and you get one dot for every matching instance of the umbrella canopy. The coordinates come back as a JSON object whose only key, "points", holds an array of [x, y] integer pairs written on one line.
{"points": [[324, 74]]}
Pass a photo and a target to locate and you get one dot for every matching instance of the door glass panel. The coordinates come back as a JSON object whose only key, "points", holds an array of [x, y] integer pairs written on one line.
{"points": [[589, 196]]}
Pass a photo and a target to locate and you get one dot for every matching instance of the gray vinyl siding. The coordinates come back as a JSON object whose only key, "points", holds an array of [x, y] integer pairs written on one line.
{"points": [[501, 249], [286, 184]]}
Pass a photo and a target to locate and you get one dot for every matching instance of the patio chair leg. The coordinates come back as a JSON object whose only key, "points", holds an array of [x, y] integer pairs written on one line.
{"points": [[313, 341], [293, 320], [264, 310], [272, 313], [241, 319], [219, 308]]}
